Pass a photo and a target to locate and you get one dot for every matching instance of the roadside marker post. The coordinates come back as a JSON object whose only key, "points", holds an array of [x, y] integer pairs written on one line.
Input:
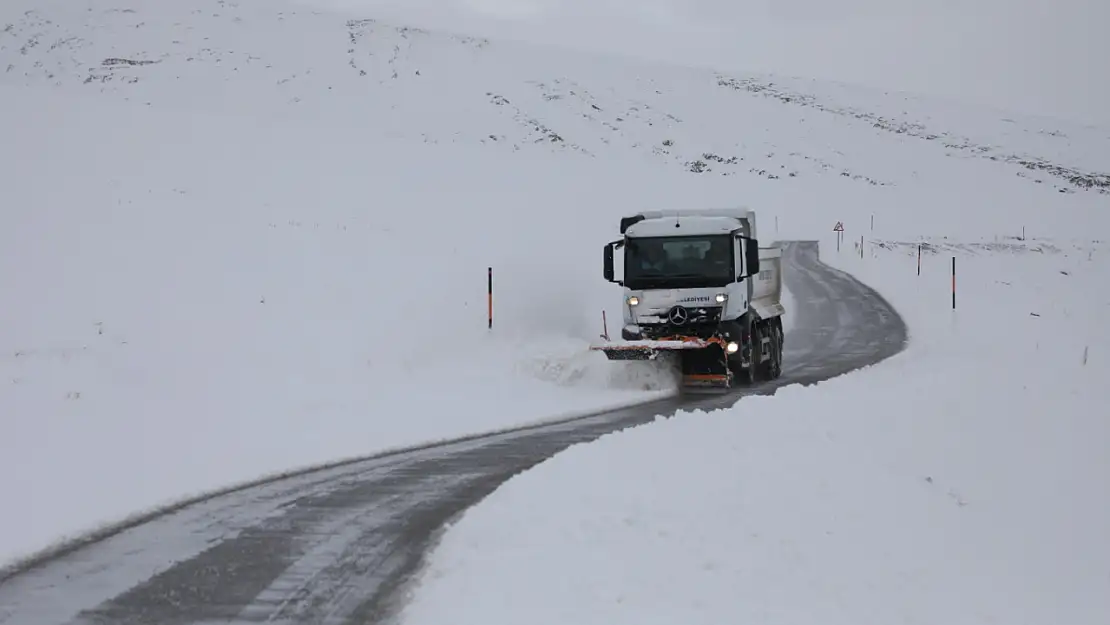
{"points": [[953, 283], [919, 259], [489, 297]]}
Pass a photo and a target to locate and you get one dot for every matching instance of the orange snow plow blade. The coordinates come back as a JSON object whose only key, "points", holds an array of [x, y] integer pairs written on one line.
{"points": [[698, 371], [707, 379], [649, 350]]}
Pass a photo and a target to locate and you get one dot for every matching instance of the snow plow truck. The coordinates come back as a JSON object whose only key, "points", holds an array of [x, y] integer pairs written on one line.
{"points": [[697, 286]]}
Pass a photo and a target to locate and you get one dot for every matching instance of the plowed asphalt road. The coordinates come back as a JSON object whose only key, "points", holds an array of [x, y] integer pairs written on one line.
{"points": [[336, 546]]}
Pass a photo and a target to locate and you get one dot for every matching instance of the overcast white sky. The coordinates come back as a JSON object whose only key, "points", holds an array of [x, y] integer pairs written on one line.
{"points": [[1038, 56]]}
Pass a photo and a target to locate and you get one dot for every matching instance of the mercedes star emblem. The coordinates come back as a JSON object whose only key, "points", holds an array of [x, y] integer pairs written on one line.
{"points": [[678, 315]]}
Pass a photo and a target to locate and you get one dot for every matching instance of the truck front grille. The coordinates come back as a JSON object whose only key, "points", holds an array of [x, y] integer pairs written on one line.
{"points": [[702, 322]]}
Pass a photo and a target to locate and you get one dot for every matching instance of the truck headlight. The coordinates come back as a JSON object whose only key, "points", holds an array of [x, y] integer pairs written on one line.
{"points": [[633, 301], [732, 347], [721, 297]]}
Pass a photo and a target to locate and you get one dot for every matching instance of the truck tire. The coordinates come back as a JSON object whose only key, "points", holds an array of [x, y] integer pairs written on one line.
{"points": [[780, 346], [772, 369], [755, 367]]}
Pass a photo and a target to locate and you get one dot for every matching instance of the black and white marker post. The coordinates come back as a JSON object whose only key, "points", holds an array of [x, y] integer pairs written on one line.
{"points": [[953, 283]]}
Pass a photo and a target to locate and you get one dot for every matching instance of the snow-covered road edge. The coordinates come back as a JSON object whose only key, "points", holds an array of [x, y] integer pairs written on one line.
{"points": [[70, 543]]}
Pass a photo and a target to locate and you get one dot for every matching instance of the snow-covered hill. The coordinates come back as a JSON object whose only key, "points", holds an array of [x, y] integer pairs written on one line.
{"points": [[1034, 56], [240, 237]]}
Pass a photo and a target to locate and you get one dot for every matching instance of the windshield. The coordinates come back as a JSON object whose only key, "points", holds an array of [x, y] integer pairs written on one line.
{"points": [[678, 262]]}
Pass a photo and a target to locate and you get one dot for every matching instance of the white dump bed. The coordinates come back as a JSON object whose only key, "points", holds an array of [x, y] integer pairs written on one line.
{"points": [[766, 291]]}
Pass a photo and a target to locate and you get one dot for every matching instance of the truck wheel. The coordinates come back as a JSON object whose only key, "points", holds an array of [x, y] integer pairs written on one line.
{"points": [[773, 367], [782, 342], [755, 368]]}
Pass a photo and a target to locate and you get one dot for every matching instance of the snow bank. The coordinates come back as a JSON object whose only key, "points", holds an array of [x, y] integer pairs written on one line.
{"points": [[964, 480]]}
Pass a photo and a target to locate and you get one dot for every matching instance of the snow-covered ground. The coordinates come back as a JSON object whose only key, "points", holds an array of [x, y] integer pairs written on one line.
{"points": [[242, 237], [965, 480]]}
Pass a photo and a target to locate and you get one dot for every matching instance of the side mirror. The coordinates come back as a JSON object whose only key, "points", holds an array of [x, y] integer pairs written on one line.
{"points": [[607, 270], [751, 253]]}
